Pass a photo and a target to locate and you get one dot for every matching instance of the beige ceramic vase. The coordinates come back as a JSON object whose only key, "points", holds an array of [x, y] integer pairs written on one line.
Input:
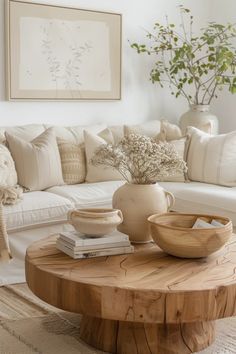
{"points": [[137, 202], [95, 222], [199, 116]]}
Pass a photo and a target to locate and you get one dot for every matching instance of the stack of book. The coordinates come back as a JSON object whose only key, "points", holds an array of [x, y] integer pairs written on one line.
{"points": [[79, 246]]}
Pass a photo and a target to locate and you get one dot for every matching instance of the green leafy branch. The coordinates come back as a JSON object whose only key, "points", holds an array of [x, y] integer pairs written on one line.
{"points": [[206, 62]]}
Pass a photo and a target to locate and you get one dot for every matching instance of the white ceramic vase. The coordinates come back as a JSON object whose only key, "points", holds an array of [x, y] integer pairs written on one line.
{"points": [[137, 202], [200, 117]]}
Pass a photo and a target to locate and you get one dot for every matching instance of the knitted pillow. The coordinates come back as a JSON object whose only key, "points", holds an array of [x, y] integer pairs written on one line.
{"points": [[8, 176], [72, 161]]}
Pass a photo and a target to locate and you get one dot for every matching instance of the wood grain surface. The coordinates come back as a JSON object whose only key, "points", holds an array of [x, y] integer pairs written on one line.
{"points": [[147, 286], [146, 338], [174, 233]]}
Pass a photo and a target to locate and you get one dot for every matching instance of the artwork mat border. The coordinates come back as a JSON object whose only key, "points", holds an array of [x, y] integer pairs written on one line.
{"points": [[8, 54]]}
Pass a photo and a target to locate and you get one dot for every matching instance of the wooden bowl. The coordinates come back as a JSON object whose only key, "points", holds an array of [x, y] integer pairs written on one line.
{"points": [[174, 234]]}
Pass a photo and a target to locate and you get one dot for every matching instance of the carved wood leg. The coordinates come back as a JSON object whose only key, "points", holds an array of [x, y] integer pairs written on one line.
{"points": [[146, 338]]}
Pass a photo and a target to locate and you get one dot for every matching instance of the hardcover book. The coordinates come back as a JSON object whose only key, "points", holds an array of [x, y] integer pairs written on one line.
{"points": [[96, 252], [77, 239]]}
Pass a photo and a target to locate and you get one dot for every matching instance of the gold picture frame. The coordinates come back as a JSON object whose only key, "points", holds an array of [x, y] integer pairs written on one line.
{"points": [[62, 53]]}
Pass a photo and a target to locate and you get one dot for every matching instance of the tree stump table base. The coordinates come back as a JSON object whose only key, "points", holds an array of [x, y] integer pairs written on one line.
{"points": [[142, 338]]}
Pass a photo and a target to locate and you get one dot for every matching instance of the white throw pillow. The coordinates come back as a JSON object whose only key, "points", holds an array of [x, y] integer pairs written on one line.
{"points": [[179, 145], [97, 173], [38, 162], [212, 159], [8, 176]]}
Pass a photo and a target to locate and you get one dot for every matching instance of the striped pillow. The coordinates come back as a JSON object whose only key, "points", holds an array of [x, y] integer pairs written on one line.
{"points": [[211, 159]]}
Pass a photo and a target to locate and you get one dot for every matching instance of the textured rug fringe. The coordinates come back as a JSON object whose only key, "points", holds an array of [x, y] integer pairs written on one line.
{"points": [[29, 299], [19, 338]]}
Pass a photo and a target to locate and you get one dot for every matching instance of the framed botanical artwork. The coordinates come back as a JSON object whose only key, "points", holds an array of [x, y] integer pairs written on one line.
{"points": [[62, 53]]}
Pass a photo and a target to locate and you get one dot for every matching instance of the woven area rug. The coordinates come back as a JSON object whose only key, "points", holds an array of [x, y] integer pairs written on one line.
{"points": [[28, 325]]}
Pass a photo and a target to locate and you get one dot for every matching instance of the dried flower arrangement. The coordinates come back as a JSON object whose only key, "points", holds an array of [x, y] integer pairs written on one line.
{"points": [[140, 159]]}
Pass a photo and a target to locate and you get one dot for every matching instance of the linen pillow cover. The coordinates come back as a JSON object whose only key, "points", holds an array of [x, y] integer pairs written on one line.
{"points": [[72, 161], [211, 159], [8, 176], [97, 173], [179, 145], [38, 162]]}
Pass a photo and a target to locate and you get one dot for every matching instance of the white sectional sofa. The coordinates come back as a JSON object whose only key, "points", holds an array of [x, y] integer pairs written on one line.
{"points": [[42, 213]]}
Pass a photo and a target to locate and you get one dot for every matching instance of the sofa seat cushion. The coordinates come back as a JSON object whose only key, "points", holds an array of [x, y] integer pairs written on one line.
{"points": [[197, 197], [36, 209], [88, 195]]}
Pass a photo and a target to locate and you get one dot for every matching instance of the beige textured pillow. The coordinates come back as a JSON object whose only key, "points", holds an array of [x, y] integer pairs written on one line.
{"points": [[97, 173], [38, 162], [212, 159], [8, 176], [72, 161]]}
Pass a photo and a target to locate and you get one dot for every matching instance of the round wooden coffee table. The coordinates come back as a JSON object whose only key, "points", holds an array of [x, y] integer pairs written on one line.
{"points": [[145, 302]]}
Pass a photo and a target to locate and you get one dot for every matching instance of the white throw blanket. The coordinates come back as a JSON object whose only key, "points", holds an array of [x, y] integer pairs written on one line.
{"points": [[8, 196]]}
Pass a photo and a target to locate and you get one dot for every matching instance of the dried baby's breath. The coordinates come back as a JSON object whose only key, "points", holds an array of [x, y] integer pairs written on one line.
{"points": [[140, 159]]}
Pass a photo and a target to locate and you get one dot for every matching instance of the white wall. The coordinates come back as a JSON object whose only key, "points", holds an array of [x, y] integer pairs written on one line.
{"points": [[225, 106], [140, 99]]}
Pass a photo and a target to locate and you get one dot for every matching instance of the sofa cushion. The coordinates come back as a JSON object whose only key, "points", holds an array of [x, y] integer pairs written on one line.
{"points": [[27, 132], [169, 131], [75, 134], [179, 145], [211, 159], [37, 208], [150, 128], [196, 197], [97, 173], [88, 195], [38, 162], [72, 161]]}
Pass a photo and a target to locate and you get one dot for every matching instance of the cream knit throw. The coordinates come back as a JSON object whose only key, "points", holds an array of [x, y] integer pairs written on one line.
{"points": [[8, 196]]}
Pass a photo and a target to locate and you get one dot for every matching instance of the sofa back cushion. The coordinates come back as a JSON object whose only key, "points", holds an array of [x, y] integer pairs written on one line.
{"points": [[75, 134], [211, 159], [38, 162], [150, 128], [30, 131], [27, 132]]}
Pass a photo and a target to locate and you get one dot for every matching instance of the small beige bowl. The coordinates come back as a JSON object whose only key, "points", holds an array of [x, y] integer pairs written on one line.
{"points": [[173, 233], [95, 222]]}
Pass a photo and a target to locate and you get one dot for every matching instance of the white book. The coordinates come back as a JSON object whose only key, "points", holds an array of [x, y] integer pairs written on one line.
{"points": [[78, 239], [95, 253], [62, 241], [201, 224], [216, 223]]}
